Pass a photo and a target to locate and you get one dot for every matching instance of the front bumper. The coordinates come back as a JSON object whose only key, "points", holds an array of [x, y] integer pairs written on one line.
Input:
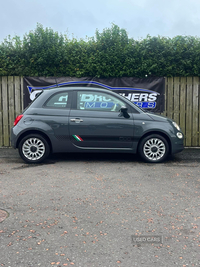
{"points": [[177, 145]]}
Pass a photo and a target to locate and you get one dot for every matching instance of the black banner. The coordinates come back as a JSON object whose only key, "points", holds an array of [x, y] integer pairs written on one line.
{"points": [[148, 93]]}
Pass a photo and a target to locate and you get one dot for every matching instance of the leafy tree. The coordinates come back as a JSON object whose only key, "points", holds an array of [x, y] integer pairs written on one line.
{"points": [[110, 53]]}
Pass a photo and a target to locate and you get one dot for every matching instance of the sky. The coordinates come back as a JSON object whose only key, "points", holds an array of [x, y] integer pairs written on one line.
{"points": [[81, 18]]}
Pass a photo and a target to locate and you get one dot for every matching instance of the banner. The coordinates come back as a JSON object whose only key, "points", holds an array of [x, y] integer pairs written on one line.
{"points": [[148, 93]]}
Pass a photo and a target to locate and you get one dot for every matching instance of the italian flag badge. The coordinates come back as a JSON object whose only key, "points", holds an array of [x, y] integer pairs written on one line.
{"points": [[77, 137]]}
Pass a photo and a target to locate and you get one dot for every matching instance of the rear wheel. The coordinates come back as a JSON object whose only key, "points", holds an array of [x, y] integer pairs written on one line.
{"points": [[154, 148], [34, 148]]}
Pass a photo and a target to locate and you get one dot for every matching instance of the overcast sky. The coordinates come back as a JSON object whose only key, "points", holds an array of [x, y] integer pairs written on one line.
{"points": [[81, 18]]}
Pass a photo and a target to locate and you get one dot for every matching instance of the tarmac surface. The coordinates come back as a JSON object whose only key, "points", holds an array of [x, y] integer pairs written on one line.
{"points": [[94, 210]]}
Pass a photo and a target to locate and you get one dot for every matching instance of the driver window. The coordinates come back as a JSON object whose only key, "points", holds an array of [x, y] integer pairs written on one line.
{"points": [[98, 101]]}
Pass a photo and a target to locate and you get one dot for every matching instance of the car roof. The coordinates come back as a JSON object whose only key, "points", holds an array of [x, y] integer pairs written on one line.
{"points": [[82, 88]]}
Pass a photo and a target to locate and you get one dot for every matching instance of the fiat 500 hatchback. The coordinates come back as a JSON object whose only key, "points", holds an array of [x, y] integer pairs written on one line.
{"points": [[82, 119]]}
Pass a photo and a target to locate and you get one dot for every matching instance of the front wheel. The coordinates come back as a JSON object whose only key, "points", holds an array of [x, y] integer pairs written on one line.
{"points": [[154, 148], [33, 148]]}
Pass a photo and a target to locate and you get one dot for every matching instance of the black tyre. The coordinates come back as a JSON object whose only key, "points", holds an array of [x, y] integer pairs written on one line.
{"points": [[153, 148], [33, 148]]}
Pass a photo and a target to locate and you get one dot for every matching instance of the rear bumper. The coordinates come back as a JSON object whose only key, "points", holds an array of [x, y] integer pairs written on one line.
{"points": [[13, 138]]}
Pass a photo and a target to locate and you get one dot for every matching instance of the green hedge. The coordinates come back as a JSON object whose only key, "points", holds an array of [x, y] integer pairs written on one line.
{"points": [[112, 53]]}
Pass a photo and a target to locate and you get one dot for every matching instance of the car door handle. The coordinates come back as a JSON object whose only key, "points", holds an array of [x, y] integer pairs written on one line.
{"points": [[77, 120]]}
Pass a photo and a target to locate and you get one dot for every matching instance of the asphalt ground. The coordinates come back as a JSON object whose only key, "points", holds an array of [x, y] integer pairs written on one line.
{"points": [[100, 210]]}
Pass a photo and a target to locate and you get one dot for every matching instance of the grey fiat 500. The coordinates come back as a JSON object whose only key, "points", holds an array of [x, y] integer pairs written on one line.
{"points": [[85, 119]]}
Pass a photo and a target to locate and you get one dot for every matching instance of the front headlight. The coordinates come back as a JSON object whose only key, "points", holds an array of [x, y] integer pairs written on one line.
{"points": [[176, 125]]}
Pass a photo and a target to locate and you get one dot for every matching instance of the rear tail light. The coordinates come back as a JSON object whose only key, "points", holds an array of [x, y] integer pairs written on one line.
{"points": [[17, 119]]}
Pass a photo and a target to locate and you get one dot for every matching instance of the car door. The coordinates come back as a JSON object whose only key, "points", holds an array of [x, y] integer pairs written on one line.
{"points": [[55, 113], [96, 122]]}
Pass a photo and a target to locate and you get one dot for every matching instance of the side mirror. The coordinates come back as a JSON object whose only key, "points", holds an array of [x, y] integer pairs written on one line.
{"points": [[124, 112]]}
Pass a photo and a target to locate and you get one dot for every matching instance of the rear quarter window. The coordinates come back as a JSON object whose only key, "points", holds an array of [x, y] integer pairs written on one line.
{"points": [[59, 100]]}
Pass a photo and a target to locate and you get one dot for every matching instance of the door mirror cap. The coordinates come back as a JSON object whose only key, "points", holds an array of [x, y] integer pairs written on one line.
{"points": [[124, 112], [124, 109]]}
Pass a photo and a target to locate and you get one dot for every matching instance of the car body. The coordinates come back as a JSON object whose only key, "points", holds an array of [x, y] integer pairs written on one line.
{"points": [[85, 119]]}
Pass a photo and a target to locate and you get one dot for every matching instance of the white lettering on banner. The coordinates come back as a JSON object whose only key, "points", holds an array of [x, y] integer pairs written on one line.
{"points": [[152, 97], [90, 105], [108, 99], [86, 97], [96, 98], [143, 97], [63, 97], [135, 97], [103, 105]]}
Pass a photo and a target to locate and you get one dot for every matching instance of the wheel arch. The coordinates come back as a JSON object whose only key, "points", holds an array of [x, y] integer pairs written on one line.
{"points": [[34, 132], [159, 133]]}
